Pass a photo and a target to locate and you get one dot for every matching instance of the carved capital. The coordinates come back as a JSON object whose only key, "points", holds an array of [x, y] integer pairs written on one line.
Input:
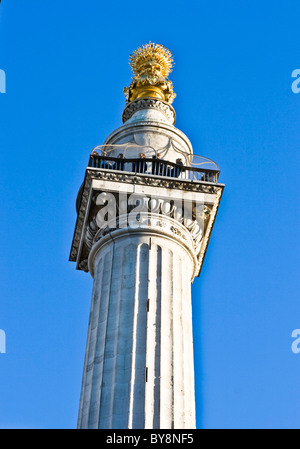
{"points": [[183, 221], [114, 203]]}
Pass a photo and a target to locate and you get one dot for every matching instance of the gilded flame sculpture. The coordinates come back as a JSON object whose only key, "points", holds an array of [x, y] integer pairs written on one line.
{"points": [[150, 65]]}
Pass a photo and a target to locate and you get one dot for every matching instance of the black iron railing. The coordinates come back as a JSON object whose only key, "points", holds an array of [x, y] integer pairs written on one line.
{"points": [[154, 166]]}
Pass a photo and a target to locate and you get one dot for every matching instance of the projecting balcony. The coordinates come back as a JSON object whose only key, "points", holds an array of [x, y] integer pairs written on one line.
{"points": [[186, 167]]}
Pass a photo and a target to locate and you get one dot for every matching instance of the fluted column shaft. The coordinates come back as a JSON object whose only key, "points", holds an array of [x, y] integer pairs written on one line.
{"points": [[139, 370]]}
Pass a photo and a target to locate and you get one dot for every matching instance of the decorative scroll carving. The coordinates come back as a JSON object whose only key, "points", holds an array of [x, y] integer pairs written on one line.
{"points": [[170, 216], [147, 103], [196, 227], [84, 265]]}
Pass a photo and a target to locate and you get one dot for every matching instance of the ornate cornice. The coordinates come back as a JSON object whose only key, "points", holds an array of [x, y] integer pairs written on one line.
{"points": [[149, 103], [168, 183]]}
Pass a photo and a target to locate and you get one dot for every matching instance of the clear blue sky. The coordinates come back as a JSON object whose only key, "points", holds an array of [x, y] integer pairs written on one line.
{"points": [[66, 63]]}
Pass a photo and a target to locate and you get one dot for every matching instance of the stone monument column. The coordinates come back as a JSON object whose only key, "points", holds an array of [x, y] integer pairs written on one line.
{"points": [[139, 370], [145, 216]]}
